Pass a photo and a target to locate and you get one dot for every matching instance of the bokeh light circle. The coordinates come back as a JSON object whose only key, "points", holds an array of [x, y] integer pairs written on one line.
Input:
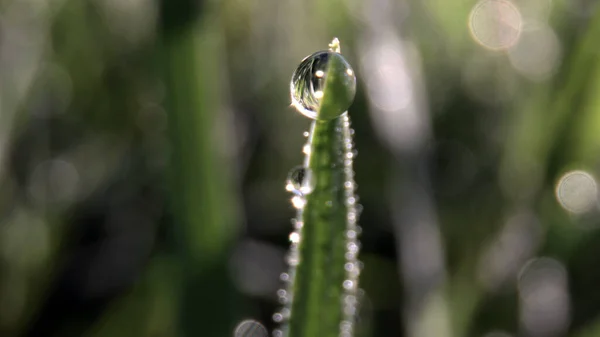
{"points": [[577, 191], [495, 24]]}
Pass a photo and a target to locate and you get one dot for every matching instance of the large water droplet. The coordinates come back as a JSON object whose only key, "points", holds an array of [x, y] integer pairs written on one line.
{"points": [[309, 84], [300, 180]]}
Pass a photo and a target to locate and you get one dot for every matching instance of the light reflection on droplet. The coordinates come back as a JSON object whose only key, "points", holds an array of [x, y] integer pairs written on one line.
{"points": [[294, 237], [577, 192], [348, 284], [352, 247], [298, 202], [351, 234], [250, 328], [306, 149], [300, 180], [495, 24]]}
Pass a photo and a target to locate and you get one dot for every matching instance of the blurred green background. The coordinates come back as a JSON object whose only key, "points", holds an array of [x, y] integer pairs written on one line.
{"points": [[144, 147]]}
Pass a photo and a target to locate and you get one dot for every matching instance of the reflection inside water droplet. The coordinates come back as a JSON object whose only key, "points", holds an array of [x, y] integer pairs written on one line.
{"points": [[300, 181], [308, 84]]}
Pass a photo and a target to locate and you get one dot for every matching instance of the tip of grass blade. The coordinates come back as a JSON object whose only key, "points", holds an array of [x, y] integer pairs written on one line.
{"points": [[334, 46]]}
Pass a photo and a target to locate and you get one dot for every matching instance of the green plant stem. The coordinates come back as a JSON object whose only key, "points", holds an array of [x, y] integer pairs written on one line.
{"points": [[323, 290], [203, 201]]}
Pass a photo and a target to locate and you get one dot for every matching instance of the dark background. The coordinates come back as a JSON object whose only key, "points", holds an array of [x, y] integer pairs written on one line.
{"points": [[144, 148]]}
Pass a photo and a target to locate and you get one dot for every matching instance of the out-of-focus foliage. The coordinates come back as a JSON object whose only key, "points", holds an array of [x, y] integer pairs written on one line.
{"points": [[144, 147]]}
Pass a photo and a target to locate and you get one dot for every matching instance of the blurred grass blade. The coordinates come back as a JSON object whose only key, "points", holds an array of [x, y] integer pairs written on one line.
{"points": [[203, 200], [322, 300]]}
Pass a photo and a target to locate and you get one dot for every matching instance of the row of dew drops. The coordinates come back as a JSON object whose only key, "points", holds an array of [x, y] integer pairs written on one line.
{"points": [[306, 89], [300, 183]]}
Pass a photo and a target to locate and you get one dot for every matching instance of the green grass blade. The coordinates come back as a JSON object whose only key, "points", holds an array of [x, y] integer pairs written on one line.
{"points": [[324, 269], [204, 202]]}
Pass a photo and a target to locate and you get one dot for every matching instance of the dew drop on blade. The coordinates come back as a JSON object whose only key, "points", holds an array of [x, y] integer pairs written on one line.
{"points": [[250, 328], [300, 180], [277, 317], [309, 80]]}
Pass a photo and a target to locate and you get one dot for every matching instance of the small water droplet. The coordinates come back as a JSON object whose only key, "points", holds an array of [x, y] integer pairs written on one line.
{"points": [[350, 300], [284, 277], [300, 181], [350, 310], [349, 266], [277, 317], [306, 149], [352, 216], [294, 237], [348, 284], [309, 80], [346, 326], [305, 134], [277, 333], [250, 328], [298, 202], [292, 259]]}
